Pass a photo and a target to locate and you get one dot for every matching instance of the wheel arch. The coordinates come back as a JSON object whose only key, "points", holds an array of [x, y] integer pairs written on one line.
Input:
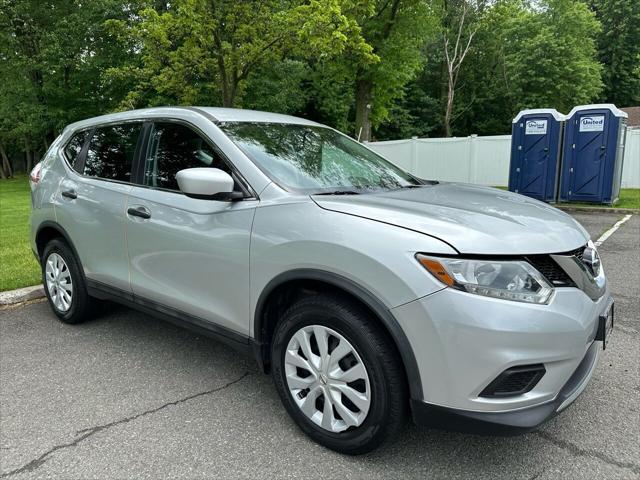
{"points": [[286, 285], [47, 231]]}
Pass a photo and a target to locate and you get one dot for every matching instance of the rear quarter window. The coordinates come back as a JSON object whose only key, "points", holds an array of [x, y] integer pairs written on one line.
{"points": [[74, 147], [111, 152]]}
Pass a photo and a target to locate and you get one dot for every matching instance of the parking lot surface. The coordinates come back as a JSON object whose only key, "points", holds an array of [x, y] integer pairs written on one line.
{"points": [[128, 396]]}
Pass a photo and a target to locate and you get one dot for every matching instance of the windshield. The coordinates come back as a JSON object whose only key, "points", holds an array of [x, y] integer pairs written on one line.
{"points": [[315, 159]]}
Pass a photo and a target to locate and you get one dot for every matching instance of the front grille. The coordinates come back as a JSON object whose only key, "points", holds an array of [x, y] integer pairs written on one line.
{"points": [[578, 252], [548, 267], [551, 270], [515, 381]]}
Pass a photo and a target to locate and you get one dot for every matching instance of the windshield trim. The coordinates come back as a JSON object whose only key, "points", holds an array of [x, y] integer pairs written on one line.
{"points": [[312, 190]]}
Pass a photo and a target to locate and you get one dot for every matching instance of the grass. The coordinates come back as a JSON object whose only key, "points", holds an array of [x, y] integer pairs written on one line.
{"points": [[18, 266], [629, 198]]}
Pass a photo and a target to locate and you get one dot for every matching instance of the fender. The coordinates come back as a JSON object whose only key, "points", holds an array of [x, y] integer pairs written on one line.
{"points": [[63, 233], [384, 314]]}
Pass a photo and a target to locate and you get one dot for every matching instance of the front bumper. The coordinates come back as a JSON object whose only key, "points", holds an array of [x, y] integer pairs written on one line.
{"points": [[463, 341], [510, 422]]}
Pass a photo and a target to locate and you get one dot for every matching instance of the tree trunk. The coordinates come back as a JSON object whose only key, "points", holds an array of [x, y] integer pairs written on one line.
{"points": [[444, 86], [7, 171], [228, 89], [28, 155], [364, 98], [449, 109], [227, 94], [454, 61]]}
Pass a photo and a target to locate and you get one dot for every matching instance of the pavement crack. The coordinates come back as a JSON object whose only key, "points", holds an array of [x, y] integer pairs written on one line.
{"points": [[82, 435], [582, 452]]}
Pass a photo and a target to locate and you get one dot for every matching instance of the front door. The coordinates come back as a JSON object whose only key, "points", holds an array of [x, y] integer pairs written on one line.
{"points": [[187, 254]]}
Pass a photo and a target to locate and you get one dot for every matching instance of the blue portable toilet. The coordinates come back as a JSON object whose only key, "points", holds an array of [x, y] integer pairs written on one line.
{"points": [[536, 138], [593, 152]]}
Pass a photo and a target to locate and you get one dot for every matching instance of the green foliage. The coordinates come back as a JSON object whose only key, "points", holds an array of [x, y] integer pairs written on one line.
{"points": [[419, 112], [528, 59], [52, 57], [202, 52], [278, 87], [619, 50], [520, 58], [398, 42], [353, 64]]}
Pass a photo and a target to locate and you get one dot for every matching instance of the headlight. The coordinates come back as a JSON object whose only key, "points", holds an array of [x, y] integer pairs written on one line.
{"points": [[510, 280], [591, 259]]}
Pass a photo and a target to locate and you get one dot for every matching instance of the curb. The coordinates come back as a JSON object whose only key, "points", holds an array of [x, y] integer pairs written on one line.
{"points": [[570, 208], [21, 295]]}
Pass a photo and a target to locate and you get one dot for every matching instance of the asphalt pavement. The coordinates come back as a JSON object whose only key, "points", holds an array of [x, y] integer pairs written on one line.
{"points": [[128, 396]]}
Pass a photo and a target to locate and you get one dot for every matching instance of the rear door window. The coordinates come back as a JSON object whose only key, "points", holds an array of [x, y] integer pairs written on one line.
{"points": [[174, 147], [111, 152]]}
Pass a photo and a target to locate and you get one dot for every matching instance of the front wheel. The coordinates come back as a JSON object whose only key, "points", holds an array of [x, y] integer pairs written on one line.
{"points": [[337, 374]]}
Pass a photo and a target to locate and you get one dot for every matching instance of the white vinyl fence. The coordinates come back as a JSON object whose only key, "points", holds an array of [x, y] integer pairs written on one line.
{"points": [[481, 160]]}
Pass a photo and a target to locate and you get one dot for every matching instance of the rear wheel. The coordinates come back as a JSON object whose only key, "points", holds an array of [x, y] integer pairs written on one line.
{"points": [[337, 375], [64, 283]]}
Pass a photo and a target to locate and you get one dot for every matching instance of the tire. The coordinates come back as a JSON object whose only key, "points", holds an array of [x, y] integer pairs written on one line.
{"points": [[383, 383], [76, 306]]}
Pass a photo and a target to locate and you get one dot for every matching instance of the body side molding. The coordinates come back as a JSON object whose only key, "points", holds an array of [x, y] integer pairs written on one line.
{"points": [[195, 324]]}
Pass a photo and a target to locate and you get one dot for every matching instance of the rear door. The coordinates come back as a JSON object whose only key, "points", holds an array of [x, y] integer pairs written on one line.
{"points": [[90, 201], [588, 159], [188, 255]]}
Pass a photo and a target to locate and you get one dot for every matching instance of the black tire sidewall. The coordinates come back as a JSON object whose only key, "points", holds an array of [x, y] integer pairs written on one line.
{"points": [[79, 299], [346, 322]]}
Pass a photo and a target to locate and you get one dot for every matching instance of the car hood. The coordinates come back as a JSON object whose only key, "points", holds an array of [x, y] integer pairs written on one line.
{"points": [[471, 218]]}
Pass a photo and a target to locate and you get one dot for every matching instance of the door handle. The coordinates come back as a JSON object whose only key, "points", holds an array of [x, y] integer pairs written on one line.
{"points": [[141, 212], [70, 194]]}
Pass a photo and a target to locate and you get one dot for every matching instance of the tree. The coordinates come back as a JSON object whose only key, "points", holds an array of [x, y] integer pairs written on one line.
{"points": [[521, 57], [22, 76], [619, 50], [278, 87], [199, 51], [52, 56], [398, 31], [532, 58], [389, 68], [455, 51]]}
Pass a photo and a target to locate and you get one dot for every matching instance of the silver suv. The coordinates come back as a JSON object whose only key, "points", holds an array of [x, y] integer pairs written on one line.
{"points": [[367, 293]]}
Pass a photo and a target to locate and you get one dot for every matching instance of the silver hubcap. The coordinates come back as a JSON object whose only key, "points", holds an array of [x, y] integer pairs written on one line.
{"points": [[327, 379], [59, 282]]}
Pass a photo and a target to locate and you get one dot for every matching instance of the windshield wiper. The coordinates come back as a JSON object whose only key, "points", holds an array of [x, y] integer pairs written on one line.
{"points": [[339, 192]]}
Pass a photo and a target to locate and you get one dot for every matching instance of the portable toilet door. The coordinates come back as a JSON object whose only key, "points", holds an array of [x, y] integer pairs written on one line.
{"points": [[536, 138], [593, 154]]}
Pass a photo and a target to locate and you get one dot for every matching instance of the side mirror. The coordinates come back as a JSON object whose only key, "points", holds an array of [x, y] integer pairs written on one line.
{"points": [[207, 184]]}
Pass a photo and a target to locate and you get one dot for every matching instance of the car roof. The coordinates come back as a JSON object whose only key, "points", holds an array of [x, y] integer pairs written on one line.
{"points": [[215, 114], [242, 115]]}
